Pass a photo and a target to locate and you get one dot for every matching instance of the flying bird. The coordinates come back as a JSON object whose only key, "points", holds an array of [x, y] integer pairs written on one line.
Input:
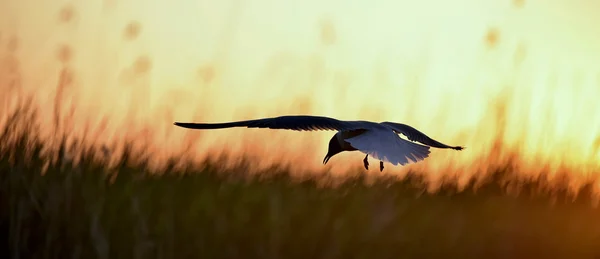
{"points": [[379, 140]]}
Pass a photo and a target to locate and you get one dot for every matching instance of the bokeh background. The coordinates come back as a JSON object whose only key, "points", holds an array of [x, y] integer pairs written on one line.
{"points": [[504, 78]]}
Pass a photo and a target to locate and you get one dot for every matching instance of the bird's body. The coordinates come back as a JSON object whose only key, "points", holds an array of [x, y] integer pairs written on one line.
{"points": [[380, 140], [342, 136]]}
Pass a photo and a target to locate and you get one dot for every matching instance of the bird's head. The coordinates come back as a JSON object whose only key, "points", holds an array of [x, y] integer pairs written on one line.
{"points": [[334, 149]]}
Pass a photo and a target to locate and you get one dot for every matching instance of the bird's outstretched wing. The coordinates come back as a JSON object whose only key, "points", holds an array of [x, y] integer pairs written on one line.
{"points": [[415, 135], [299, 123], [387, 146]]}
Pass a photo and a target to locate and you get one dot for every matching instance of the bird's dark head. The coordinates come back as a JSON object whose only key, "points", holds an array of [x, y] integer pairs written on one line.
{"points": [[334, 149]]}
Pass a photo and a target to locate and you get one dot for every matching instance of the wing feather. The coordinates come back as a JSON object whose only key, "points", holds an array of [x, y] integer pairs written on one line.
{"points": [[415, 135], [298, 123]]}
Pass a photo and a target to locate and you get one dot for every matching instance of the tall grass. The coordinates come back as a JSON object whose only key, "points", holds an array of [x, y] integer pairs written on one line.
{"points": [[52, 207]]}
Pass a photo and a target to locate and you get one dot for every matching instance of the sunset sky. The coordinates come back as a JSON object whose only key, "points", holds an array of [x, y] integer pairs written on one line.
{"points": [[444, 67]]}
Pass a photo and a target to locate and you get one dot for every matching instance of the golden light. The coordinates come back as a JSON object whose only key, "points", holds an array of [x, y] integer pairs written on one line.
{"points": [[515, 82]]}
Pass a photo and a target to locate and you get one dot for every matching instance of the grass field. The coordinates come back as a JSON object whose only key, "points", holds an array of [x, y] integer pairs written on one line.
{"points": [[53, 208]]}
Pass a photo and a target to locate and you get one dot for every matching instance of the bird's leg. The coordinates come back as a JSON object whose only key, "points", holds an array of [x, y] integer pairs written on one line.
{"points": [[381, 166], [366, 162]]}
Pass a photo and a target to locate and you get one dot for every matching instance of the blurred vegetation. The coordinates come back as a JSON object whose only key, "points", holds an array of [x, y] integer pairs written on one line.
{"points": [[52, 207]]}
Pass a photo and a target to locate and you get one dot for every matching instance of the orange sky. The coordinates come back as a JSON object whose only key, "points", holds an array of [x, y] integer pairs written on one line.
{"points": [[436, 65]]}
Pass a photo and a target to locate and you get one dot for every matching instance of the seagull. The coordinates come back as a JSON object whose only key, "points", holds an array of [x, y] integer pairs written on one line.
{"points": [[379, 140]]}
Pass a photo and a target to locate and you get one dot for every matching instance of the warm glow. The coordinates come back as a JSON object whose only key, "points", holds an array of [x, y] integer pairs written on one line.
{"points": [[507, 79]]}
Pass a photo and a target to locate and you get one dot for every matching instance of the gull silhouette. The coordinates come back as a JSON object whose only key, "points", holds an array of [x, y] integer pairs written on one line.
{"points": [[380, 140]]}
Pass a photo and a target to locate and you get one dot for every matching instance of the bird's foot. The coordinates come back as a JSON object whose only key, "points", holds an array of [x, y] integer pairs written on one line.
{"points": [[380, 166], [458, 148], [366, 162]]}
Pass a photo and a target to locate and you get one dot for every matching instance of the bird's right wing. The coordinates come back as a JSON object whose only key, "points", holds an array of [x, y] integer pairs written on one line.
{"points": [[415, 135], [387, 146], [299, 123]]}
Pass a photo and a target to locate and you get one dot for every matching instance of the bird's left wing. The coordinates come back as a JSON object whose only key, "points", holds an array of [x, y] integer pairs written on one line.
{"points": [[298, 123], [415, 135]]}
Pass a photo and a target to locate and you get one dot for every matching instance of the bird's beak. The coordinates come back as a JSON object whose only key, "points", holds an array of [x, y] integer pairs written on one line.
{"points": [[327, 157]]}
